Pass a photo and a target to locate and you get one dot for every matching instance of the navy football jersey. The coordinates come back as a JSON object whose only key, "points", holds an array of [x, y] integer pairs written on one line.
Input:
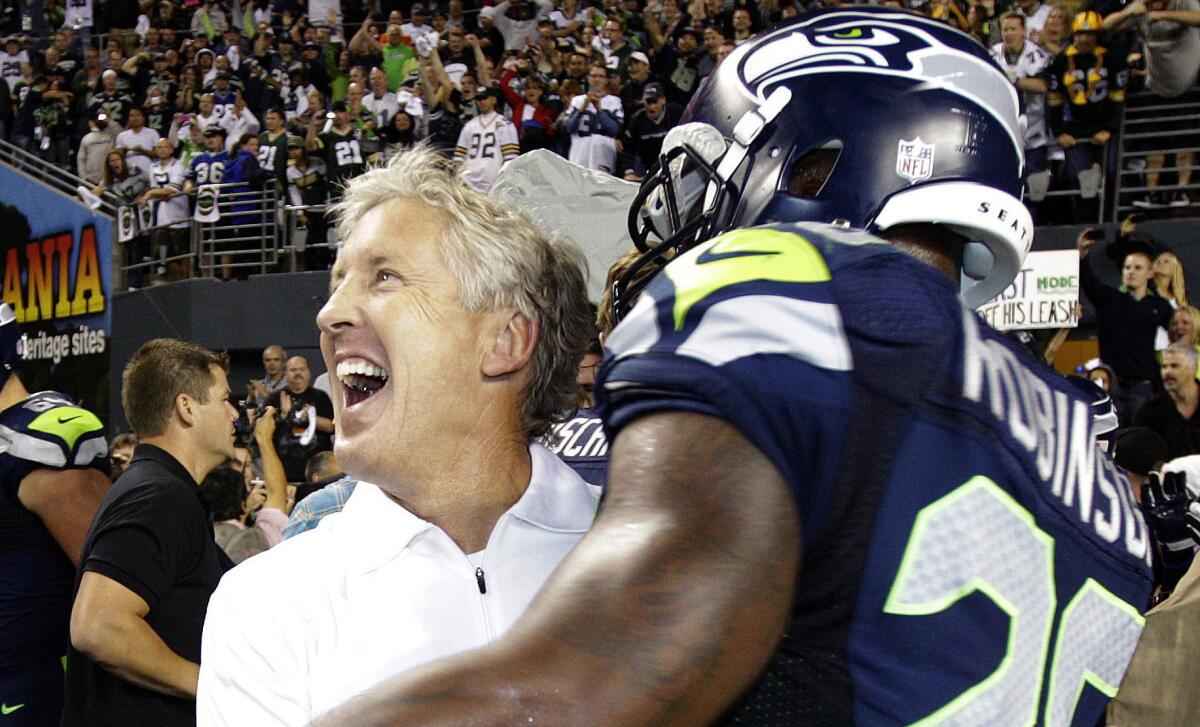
{"points": [[968, 557], [580, 442], [208, 168], [46, 430]]}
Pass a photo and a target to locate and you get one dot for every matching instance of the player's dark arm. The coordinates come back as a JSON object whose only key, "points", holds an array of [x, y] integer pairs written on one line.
{"points": [[65, 501], [662, 615]]}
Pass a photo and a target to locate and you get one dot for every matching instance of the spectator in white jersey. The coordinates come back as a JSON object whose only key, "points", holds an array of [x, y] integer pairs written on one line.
{"points": [[454, 328], [138, 140], [486, 142], [169, 238], [1024, 63], [593, 121], [11, 59], [380, 101]]}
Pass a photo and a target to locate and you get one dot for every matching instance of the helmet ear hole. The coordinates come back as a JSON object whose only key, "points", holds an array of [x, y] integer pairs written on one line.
{"points": [[977, 261], [812, 170]]}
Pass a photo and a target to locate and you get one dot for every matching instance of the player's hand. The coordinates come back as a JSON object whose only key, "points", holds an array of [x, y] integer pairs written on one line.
{"points": [[285, 404], [1166, 502], [1100, 138], [1084, 242], [264, 428], [1128, 225], [1066, 141]]}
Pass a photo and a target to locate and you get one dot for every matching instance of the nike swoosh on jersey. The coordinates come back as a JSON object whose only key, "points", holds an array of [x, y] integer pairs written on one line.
{"points": [[68, 419], [708, 256], [5, 709]]}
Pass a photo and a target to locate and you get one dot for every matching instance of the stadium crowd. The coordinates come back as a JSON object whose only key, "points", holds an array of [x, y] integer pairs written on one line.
{"points": [[305, 96]]}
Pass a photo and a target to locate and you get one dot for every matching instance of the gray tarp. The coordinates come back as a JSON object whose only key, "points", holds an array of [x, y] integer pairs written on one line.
{"points": [[586, 206]]}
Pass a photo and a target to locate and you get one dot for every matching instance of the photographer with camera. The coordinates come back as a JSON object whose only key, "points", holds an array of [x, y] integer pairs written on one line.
{"points": [[305, 419], [232, 504]]}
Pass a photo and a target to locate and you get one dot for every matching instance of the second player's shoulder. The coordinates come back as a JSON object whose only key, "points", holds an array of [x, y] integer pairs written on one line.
{"points": [[809, 291], [758, 286], [49, 429]]}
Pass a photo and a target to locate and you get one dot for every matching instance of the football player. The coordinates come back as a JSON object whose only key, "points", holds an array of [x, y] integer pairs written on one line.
{"points": [[53, 474], [835, 496]]}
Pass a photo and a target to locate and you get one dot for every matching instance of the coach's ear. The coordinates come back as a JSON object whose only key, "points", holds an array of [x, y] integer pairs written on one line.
{"points": [[185, 409], [511, 342]]}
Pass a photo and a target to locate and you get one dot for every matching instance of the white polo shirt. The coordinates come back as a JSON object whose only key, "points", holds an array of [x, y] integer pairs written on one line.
{"points": [[372, 592]]}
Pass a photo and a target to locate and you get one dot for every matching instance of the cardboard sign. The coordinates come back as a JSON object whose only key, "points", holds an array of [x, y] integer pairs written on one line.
{"points": [[1043, 295]]}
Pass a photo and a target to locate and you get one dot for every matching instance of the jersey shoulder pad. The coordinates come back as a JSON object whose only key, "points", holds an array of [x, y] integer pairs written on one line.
{"points": [[49, 430], [753, 291]]}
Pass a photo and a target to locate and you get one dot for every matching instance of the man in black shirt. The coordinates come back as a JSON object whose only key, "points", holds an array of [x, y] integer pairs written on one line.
{"points": [[1126, 322], [149, 563], [306, 419], [642, 138], [678, 66], [1173, 412]]}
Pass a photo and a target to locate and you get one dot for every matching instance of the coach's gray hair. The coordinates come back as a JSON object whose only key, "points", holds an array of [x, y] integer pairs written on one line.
{"points": [[500, 260], [1187, 350]]}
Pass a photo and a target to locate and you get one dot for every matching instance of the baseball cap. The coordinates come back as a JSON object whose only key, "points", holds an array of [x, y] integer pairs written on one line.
{"points": [[689, 30], [213, 129], [653, 92], [222, 75], [488, 91], [294, 142], [309, 45], [110, 73], [411, 79], [338, 106], [417, 8], [639, 56]]}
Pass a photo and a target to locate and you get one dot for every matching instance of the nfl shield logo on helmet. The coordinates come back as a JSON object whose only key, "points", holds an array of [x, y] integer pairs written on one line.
{"points": [[914, 160]]}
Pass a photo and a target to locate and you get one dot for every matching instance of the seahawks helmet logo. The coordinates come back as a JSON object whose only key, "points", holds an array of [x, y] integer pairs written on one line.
{"points": [[892, 44]]}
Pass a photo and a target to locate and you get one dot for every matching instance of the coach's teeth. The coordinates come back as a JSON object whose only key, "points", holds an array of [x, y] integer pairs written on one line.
{"points": [[362, 376]]}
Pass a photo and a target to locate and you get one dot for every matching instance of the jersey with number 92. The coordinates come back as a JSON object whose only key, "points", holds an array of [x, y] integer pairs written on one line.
{"points": [[968, 557]]}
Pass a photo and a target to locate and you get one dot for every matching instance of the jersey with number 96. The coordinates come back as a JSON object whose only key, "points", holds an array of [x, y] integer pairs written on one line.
{"points": [[967, 556]]}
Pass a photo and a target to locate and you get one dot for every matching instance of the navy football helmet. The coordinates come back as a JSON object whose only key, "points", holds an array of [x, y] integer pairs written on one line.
{"points": [[868, 118]]}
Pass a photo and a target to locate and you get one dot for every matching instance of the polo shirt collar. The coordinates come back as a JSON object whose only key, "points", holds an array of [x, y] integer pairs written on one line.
{"points": [[557, 500], [160, 456]]}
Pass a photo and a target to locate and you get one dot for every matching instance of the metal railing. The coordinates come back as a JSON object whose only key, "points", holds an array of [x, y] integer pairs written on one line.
{"points": [[1143, 120], [52, 175], [255, 234], [246, 239]]}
